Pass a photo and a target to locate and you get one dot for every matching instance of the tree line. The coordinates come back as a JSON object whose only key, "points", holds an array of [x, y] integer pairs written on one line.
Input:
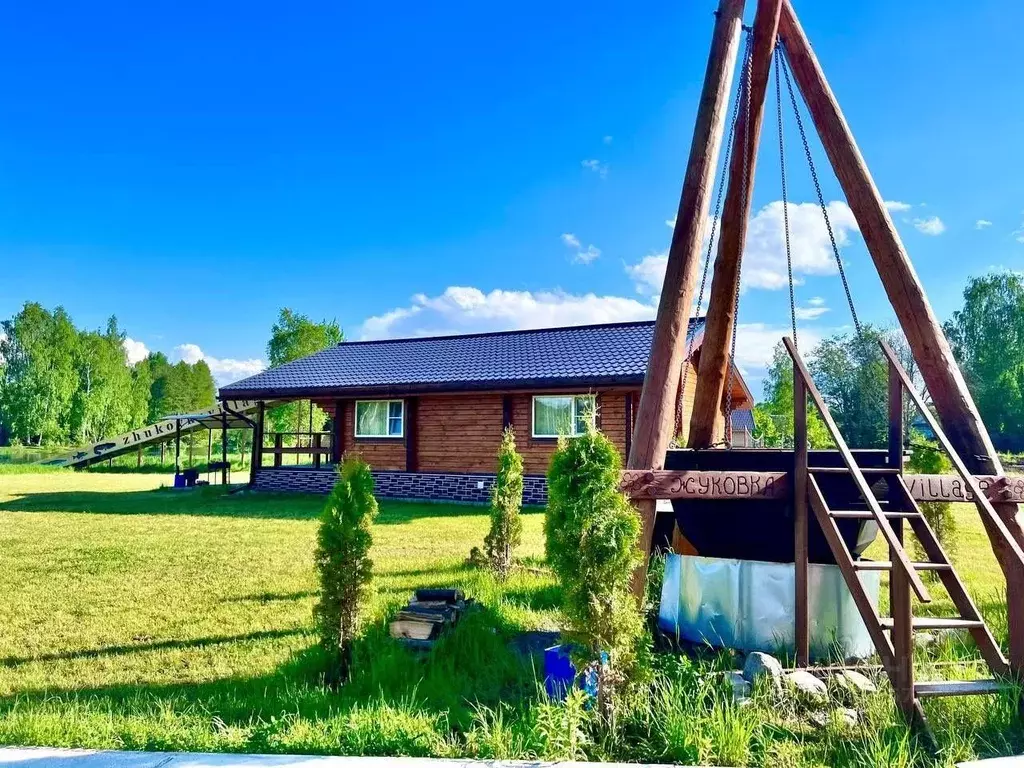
{"points": [[987, 338], [64, 385]]}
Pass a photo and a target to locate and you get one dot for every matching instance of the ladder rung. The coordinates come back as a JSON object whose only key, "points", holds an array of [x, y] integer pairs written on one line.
{"points": [[927, 622], [846, 471], [886, 565], [958, 687], [866, 514]]}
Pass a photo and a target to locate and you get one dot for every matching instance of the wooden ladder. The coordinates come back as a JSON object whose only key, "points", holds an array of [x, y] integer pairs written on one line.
{"points": [[892, 636]]}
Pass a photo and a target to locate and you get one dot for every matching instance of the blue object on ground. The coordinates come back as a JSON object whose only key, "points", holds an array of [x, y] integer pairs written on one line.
{"points": [[560, 673], [179, 480]]}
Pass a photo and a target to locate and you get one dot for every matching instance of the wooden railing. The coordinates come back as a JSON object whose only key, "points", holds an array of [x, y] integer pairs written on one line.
{"points": [[316, 445], [989, 516]]}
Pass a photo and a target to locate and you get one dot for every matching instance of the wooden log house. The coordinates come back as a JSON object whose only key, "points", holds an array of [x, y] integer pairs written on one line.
{"points": [[427, 413]]}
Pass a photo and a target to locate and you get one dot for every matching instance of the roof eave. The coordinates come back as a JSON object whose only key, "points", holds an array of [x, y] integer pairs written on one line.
{"points": [[391, 390]]}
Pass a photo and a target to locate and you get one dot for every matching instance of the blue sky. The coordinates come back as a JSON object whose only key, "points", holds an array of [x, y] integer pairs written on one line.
{"points": [[411, 168]]}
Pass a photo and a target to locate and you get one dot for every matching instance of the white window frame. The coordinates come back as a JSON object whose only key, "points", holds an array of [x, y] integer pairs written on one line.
{"points": [[573, 398], [355, 418]]}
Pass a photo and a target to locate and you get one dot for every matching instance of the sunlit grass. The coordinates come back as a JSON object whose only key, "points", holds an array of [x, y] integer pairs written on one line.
{"points": [[139, 618]]}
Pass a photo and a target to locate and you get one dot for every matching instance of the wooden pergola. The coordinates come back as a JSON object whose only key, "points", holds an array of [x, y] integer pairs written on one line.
{"points": [[980, 474]]}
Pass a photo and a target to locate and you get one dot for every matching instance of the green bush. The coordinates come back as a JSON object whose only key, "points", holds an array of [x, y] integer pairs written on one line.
{"points": [[592, 534], [927, 458], [506, 500], [343, 563]]}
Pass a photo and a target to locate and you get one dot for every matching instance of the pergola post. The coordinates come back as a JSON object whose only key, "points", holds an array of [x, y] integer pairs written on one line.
{"points": [[706, 419], [656, 411], [224, 448], [257, 443], [177, 446], [953, 402]]}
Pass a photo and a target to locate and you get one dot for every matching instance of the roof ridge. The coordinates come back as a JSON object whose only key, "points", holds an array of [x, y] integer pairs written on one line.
{"points": [[511, 331]]}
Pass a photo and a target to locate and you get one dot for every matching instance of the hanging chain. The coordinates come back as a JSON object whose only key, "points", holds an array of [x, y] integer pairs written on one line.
{"points": [[744, 207], [747, 53], [817, 186], [785, 200]]}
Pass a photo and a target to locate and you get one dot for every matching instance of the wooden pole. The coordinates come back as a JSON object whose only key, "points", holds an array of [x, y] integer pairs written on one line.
{"points": [[706, 419], [953, 402], [900, 600], [802, 635], [224, 448], [655, 415]]}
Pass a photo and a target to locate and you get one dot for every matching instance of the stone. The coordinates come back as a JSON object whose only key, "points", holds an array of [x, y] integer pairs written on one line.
{"points": [[851, 685], [807, 688], [924, 639], [848, 717], [738, 685], [763, 666]]}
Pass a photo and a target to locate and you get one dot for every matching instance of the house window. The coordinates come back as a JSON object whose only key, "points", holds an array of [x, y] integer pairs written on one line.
{"points": [[557, 415], [380, 418]]}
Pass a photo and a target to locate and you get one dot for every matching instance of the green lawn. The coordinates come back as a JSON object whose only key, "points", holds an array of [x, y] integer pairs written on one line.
{"points": [[138, 618]]}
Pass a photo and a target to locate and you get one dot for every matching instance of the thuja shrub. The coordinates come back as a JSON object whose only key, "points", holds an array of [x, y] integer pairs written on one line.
{"points": [[592, 543], [506, 531], [343, 563]]}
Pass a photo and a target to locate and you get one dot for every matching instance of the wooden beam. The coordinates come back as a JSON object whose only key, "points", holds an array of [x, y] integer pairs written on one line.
{"points": [[412, 460], [656, 412], [953, 402], [707, 420], [698, 484], [801, 554]]}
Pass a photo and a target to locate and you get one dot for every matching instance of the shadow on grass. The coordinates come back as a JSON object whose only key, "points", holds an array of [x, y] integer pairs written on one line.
{"points": [[215, 501], [422, 696], [158, 645]]}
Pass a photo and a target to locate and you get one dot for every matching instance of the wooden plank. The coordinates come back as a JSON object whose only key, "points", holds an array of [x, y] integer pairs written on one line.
{"points": [[924, 334], [629, 421], [953, 487], [800, 371], [706, 417], [655, 417], [649, 484], [800, 532], [960, 687], [411, 429]]}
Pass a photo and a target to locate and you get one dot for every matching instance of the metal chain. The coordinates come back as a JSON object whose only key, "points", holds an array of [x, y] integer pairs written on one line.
{"points": [[747, 53], [785, 199], [744, 203], [817, 185]]}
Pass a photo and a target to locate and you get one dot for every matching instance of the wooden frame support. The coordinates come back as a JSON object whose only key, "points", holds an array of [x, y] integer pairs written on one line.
{"points": [[953, 402], [801, 558], [656, 411], [706, 419]]}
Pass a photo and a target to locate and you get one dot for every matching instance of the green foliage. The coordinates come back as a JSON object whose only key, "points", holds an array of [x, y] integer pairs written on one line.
{"points": [[853, 379], [773, 418], [291, 337], [987, 337], [506, 531], [342, 559], [39, 375], [107, 400], [926, 458], [592, 535]]}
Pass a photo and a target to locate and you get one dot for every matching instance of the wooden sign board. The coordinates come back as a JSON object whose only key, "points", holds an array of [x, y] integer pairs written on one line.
{"points": [[952, 488], [697, 484]]}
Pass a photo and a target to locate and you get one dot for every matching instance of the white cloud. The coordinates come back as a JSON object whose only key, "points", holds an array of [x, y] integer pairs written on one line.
{"points": [[671, 223], [135, 350], [810, 313], [465, 309], [601, 169], [586, 256], [755, 345], [1018, 233], [895, 206], [931, 226], [816, 301], [982, 224], [649, 273], [225, 370], [582, 255]]}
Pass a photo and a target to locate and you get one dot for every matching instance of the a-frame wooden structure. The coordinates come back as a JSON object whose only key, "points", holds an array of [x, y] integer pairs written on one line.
{"points": [[775, 20]]}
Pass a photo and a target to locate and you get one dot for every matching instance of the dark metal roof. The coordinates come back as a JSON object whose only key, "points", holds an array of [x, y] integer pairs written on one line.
{"points": [[743, 420], [588, 355]]}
